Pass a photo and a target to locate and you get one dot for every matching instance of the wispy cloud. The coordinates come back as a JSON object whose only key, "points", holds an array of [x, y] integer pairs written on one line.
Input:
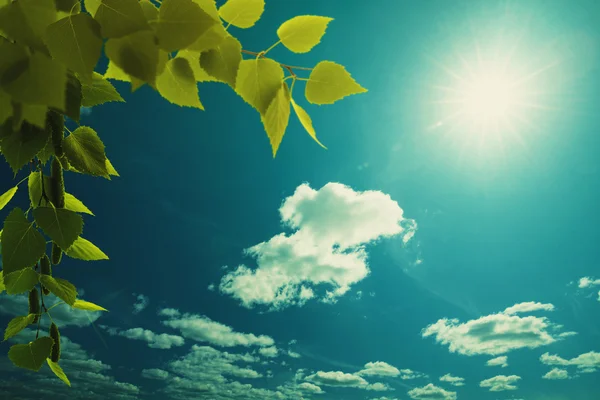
{"points": [[498, 362], [141, 302], [556, 374], [500, 383], [587, 362], [453, 380], [431, 392], [154, 340]]}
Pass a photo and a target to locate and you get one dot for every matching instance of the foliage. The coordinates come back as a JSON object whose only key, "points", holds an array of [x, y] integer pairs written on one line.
{"points": [[49, 50]]}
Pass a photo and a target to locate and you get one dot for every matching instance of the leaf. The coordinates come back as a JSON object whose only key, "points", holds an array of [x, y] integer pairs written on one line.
{"points": [[35, 115], [6, 197], [306, 122], [193, 59], [62, 226], [76, 42], [34, 186], [32, 355], [118, 18], [91, 6], [115, 72], [5, 107], [242, 13], [68, 5], [86, 305], [58, 371], [99, 91], [46, 152], [209, 7], [83, 249], [136, 54], [178, 85], [223, 62], [300, 34], [180, 23], [149, 9], [21, 281], [21, 146], [258, 82], [111, 170], [17, 324], [329, 82], [22, 244], [74, 204], [61, 288], [211, 39], [85, 151], [26, 20], [73, 97], [277, 116], [2, 287]]}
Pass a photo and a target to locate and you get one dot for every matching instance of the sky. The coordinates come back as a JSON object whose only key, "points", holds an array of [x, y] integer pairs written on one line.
{"points": [[443, 247]]}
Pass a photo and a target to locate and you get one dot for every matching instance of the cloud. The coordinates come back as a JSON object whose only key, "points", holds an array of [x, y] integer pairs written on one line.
{"points": [[557, 373], [498, 362], [270, 352], [203, 329], [431, 392], [406, 374], [500, 383], [587, 362], [527, 307], [310, 388], [492, 334], [337, 378], [168, 312], [155, 373], [154, 340], [141, 303], [453, 380], [293, 354], [378, 387], [587, 282], [332, 226], [379, 368]]}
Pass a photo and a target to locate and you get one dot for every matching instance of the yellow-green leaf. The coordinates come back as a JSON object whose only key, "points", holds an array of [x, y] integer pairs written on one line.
{"points": [[242, 13], [61, 225], [21, 281], [306, 122], [118, 18], [300, 34], [35, 115], [223, 62], [85, 151], [99, 91], [277, 116], [86, 305], [5, 107], [180, 23], [150, 10], [111, 170], [31, 355], [209, 7], [58, 371], [61, 288], [91, 6], [26, 20], [34, 186], [136, 54], [329, 82], [193, 59], [2, 287], [76, 42], [211, 39], [17, 324], [22, 244], [19, 147], [68, 6], [83, 249], [74, 204], [178, 85], [7, 196], [258, 81], [115, 72]]}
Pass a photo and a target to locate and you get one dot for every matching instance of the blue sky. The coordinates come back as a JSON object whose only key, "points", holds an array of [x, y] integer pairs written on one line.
{"points": [[422, 256]]}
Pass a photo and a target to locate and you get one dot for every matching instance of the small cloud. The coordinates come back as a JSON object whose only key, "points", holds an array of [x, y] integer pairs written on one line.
{"points": [[378, 387], [155, 341], [155, 373], [556, 374], [168, 312], [270, 352], [293, 354], [527, 307], [379, 368], [211, 287], [498, 362], [310, 388], [453, 380], [431, 392], [141, 303], [587, 282], [500, 383], [337, 378], [587, 362]]}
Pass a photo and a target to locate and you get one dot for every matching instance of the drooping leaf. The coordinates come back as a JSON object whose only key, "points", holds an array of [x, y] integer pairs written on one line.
{"points": [[46, 152], [258, 82], [211, 39], [74, 204], [111, 170], [329, 82], [99, 91], [70, 6], [150, 10], [86, 305], [193, 59], [34, 185], [17, 324], [73, 97], [21, 281], [300, 34], [26, 20], [118, 18], [83, 249], [113, 71], [136, 54], [22, 244], [180, 23], [277, 117], [19, 147], [61, 288], [85, 151], [306, 122], [5, 107], [76, 42], [178, 85], [223, 62], [61, 225], [58, 371], [31, 355], [7, 196], [2, 287], [35, 115], [242, 13]]}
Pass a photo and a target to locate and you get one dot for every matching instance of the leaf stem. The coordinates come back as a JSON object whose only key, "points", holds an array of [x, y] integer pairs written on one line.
{"points": [[290, 68], [271, 48]]}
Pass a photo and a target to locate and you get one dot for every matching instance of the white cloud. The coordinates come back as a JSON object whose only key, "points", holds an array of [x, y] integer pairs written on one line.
{"points": [[168, 312], [567, 334], [492, 334], [500, 383], [498, 362], [378, 387], [587, 282], [332, 225], [337, 378], [527, 307], [270, 352], [154, 340], [293, 354], [141, 302], [406, 374], [587, 362], [453, 380], [379, 368], [431, 392], [310, 388], [557, 373], [155, 373]]}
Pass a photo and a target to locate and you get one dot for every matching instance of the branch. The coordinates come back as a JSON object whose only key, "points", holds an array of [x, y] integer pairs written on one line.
{"points": [[288, 67]]}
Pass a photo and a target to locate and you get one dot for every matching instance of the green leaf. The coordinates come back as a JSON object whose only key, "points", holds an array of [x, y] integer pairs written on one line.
{"points": [[74, 204], [136, 54], [180, 23], [113, 71], [178, 85], [26, 20], [62, 226], [6, 197], [306, 122], [118, 18], [61, 288], [83, 249], [85, 151], [300, 34], [209, 7], [111, 170], [73, 97], [35, 189], [91, 6], [242, 13], [223, 62], [86, 305], [21, 146], [277, 116], [17, 324], [211, 39], [2, 287], [149, 9], [32, 355], [58, 371], [46, 152], [329, 82], [99, 91], [35, 115], [21, 281], [70, 6], [193, 59], [5, 107], [22, 244], [76, 42], [258, 82]]}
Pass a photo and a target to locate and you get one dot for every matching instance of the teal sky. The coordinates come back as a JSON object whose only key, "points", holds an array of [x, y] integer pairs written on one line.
{"points": [[394, 265]]}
